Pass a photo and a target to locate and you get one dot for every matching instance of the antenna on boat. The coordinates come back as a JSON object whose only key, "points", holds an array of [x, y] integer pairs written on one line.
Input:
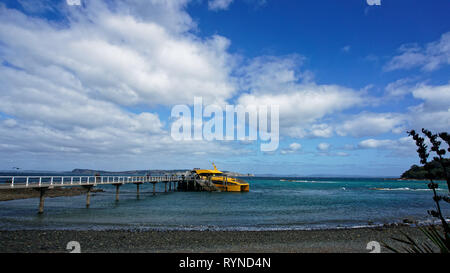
{"points": [[215, 168]]}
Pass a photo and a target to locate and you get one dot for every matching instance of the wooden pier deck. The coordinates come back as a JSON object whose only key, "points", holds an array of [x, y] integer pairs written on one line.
{"points": [[43, 183]]}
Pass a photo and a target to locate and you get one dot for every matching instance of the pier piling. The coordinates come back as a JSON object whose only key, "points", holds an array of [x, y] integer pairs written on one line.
{"points": [[41, 199], [153, 188], [117, 192], [137, 190], [88, 195]]}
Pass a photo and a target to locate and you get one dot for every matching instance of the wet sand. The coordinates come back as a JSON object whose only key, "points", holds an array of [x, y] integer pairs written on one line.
{"points": [[305, 241], [14, 194]]}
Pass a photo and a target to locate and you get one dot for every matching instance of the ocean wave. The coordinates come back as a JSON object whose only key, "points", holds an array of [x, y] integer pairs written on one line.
{"points": [[402, 189], [309, 181]]}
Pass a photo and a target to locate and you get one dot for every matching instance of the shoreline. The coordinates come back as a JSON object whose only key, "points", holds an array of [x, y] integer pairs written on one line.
{"points": [[284, 241]]}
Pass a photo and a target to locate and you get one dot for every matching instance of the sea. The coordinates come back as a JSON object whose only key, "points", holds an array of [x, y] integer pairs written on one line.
{"points": [[273, 203]]}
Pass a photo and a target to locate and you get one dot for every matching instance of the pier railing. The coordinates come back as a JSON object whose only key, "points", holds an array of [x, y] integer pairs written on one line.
{"points": [[11, 182], [43, 183]]}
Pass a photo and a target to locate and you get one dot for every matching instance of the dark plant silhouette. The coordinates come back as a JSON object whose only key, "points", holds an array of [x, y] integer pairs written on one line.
{"points": [[440, 241], [439, 152]]}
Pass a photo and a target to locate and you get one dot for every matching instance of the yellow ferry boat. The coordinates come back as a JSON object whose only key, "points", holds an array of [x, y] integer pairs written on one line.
{"points": [[221, 181]]}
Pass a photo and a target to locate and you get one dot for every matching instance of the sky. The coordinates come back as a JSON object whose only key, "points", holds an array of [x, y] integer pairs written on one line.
{"points": [[91, 84]]}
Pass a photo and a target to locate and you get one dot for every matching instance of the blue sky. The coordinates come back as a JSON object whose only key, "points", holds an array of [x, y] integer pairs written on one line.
{"points": [[93, 85]]}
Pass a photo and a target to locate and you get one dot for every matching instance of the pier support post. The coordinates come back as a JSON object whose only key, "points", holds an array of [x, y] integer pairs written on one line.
{"points": [[137, 190], [165, 186], [117, 191], [88, 195], [170, 186], [41, 199], [153, 188]]}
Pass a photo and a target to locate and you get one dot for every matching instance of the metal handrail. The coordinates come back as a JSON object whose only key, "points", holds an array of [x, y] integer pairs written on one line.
{"points": [[45, 181]]}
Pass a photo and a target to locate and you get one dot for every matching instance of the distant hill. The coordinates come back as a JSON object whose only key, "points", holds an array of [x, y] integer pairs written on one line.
{"points": [[417, 172], [133, 172], [90, 172], [236, 174]]}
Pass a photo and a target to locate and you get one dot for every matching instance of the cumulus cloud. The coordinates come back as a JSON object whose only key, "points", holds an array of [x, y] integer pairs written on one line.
{"points": [[435, 97], [121, 58], [399, 88], [303, 103], [374, 143], [33, 98], [293, 147], [402, 146], [323, 146], [321, 130], [370, 124], [73, 87], [430, 57], [326, 149], [434, 112]]}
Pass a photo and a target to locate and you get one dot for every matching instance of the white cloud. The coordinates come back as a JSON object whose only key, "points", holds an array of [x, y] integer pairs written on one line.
{"points": [[435, 97], [326, 149], [428, 58], [374, 143], [400, 147], [71, 88], [293, 147], [399, 88], [373, 2], [434, 112], [219, 4], [306, 103], [323, 146], [32, 98], [216, 5], [322, 130], [73, 2], [303, 103], [346, 49], [120, 58], [370, 124]]}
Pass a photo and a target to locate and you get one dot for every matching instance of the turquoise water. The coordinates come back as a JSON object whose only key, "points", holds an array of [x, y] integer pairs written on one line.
{"points": [[299, 203]]}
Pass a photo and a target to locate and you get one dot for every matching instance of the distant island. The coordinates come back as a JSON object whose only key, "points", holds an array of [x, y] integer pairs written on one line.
{"points": [[417, 172], [146, 172]]}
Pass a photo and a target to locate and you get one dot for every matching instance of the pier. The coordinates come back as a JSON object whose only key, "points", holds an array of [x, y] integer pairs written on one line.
{"points": [[43, 183]]}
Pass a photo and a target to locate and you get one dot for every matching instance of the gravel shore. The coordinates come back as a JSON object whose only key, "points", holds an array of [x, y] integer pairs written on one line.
{"points": [[324, 241]]}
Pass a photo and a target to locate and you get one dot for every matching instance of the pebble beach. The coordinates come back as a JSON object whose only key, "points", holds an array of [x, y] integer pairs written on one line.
{"points": [[126, 241]]}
